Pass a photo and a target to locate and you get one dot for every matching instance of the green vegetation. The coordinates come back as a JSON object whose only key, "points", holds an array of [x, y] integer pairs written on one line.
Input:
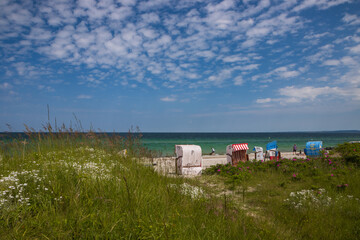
{"points": [[80, 185], [76, 185], [301, 198], [350, 152]]}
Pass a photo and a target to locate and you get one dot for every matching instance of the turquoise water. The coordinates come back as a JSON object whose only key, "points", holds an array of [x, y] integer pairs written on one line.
{"points": [[165, 142]]}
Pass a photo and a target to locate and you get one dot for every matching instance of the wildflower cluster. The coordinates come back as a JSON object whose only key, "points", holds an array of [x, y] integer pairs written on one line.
{"points": [[95, 163], [308, 198], [16, 188], [186, 189]]}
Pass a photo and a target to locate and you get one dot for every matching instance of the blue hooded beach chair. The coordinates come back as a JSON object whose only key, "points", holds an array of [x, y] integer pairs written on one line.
{"points": [[313, 148], [272, 147]]}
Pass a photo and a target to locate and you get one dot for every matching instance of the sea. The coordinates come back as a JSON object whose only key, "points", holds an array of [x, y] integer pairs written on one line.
{"points": [[164, 143]]}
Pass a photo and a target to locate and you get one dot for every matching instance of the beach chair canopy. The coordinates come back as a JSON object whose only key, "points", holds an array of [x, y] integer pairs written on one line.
{"points": [[236, 153], [239, 146], [189, 155], [272, 145], [258, 149], [313, 148]]}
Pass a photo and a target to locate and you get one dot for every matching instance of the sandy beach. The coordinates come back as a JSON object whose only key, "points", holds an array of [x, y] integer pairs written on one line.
{"points": [[166, 165]]}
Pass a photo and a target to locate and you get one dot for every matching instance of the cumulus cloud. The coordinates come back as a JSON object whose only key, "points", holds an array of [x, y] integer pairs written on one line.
{"points": [[84, 96], [351, 19], [46, 88], [263, 100], [355, 49], [238, 81], [249, 67], [5, 86], [234, 58], [200, 43], [346, 60], [151, 4], [275, 26], [322, 4], [224, 5], [284, 72], [332, 62], [296, 95], [168, 99], [309, 93]]}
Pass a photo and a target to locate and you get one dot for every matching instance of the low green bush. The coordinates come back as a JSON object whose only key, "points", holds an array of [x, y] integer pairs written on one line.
{"points": [[350, 152]]}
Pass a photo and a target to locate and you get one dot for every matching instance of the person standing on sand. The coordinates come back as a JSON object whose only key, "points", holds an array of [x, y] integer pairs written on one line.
{"points": [[294, 149], [212, 151]]}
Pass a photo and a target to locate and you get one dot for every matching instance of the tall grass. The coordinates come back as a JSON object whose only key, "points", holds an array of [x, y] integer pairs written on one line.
{"points": [[68, 184], [302, 199]]}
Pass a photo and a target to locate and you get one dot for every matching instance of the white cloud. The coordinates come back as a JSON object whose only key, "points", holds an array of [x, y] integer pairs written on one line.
{"points": [[249, 67], [249, 43], [322, 4], [168, 99], [352, 78], [155, 43], [355, 49], [289, 74], [275, 26], [152, 4], [127, 2], [234, 58], [258, 31], [83, 96], [300, 95], [39, 34], [324, 52], [150, 18], [149, 33], [222, 6], [308, 93], [263, 100], [5, 86], [119, 14], [284, 72], [332, 62], [346, 60], [238, 81], [252, 10], [351, 19], [218, 79], [46, 88]]}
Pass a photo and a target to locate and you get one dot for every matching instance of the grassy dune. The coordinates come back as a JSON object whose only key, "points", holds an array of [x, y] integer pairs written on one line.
{"points": [[300, 199], [74, 185]]}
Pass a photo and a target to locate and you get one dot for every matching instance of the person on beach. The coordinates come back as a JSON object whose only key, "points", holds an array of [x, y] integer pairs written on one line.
{"points": [[212, 151], [294, 149]]}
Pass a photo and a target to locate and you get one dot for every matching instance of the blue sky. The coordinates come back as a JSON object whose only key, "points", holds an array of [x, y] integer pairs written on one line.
{"points": [[190, 65]]}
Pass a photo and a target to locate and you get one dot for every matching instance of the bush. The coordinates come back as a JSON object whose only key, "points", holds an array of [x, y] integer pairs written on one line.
{"points": [[350, 152]]}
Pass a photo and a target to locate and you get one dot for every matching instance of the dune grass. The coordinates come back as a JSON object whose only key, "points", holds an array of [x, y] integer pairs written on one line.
{"points": [[72, 184], [301, 199], [76, 185]]}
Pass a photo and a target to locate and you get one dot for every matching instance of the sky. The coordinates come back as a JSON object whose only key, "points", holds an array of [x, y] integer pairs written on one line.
{"points": [[181, 66]]}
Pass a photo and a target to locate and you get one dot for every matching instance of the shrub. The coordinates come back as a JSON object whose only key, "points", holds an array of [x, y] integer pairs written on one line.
{"points": [[350, 152]]}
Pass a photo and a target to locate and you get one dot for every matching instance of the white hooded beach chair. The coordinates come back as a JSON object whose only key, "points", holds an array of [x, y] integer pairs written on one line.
{"points": [[188, 159], [259, 153]]}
